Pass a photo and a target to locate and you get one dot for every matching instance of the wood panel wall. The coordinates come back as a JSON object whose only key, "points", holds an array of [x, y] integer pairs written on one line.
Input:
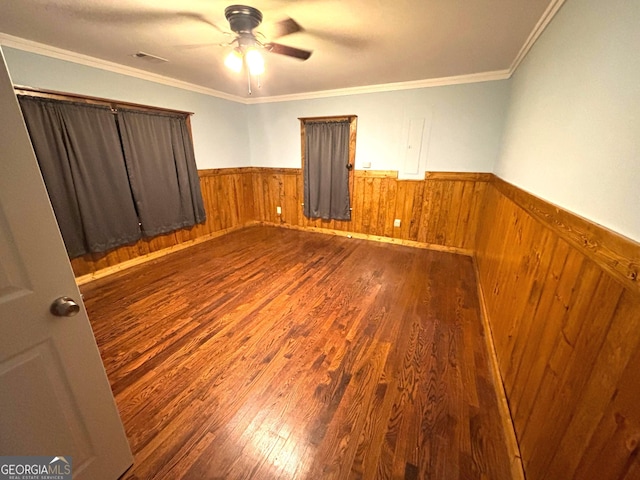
{"points": [[440, 211], [563, 301], [227, 195]]}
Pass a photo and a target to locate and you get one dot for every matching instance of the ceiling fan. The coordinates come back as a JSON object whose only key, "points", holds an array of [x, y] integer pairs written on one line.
{"points": [[243, 21]]}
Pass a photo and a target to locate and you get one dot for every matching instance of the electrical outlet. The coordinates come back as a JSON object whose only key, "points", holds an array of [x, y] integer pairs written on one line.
{"points": [[279, 210], [396, 222]]}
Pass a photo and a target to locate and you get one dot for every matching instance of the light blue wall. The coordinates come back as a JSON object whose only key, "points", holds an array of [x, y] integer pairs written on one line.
{"points": [[463, 123], [220, 134], [565, 127], [463, 127], [572, 133]]}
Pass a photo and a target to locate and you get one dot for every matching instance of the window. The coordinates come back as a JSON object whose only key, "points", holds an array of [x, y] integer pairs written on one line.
{"points": [[328, 155], [113, 175]]}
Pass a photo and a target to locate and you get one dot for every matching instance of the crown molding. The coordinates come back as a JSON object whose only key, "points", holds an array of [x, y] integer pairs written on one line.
{"points": [[61, 54], [545, 19], [69, 56], [388, 87]]}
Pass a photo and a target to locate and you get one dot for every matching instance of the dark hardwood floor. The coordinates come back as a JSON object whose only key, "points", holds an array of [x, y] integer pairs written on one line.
{"points": [[272, 353]]}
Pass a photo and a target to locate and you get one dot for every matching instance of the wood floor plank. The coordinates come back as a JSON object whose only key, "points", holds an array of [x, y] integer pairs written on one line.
{"points": [[274, 353]]}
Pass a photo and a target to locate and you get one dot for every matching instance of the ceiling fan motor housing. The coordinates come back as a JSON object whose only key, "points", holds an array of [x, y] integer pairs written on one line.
{"points": [[243, 19]]}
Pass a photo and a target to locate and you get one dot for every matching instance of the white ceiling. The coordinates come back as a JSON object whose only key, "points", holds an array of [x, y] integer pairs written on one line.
{"points": [[355, 43]]}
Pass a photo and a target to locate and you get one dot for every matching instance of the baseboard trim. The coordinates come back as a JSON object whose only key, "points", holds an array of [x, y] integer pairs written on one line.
{"points": [[373, 238], [517, 468], [134, 262], [83, 279]]}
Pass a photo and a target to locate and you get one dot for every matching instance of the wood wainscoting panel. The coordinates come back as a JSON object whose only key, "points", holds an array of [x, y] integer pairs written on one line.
{"points": [[441, 210], [227, 202], [615, 254], [567, 336]]}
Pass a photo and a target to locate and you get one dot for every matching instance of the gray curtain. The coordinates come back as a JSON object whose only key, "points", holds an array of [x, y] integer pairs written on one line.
{"points": [[162, 170], [80, 157], [326, 177]]}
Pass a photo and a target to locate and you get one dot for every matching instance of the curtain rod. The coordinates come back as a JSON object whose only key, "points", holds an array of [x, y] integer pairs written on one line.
{"points": [[335, 118], [57, 95]]}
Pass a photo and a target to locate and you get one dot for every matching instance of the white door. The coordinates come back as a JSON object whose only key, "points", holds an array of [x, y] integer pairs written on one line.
{"points": [[54, 395]]}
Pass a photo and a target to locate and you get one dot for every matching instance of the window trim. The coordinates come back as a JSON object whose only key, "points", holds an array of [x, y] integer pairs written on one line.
{"points": [[79, 98], [114, 105]]}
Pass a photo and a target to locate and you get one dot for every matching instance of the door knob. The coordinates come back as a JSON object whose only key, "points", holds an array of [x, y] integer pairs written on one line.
{"points": [[64, 307]]}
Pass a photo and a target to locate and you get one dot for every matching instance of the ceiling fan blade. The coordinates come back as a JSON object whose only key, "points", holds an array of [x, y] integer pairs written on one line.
{"points": [[193, 46], [127, 16], [202, 19], [283, 27], [343, 39], [288, 51]]}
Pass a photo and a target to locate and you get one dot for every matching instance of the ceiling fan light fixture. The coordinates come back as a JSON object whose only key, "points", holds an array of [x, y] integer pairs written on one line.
{"points": [[243, 22], [255, 62], [234, 60]]}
